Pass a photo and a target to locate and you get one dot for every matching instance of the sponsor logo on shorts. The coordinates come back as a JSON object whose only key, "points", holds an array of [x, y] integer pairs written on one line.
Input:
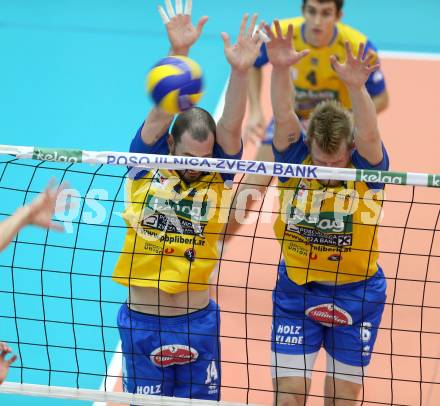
{"points": [[149, 390], [287, 334], [329, 315], [175, 354], [212, 378], [366, 351]]}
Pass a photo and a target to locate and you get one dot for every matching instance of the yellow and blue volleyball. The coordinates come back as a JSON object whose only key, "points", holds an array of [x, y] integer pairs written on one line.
{"points": [[175, 84]]}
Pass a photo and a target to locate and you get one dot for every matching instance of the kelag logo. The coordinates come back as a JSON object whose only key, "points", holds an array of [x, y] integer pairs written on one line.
{"points": [[434, 180], [370, 176], [59, 155]]}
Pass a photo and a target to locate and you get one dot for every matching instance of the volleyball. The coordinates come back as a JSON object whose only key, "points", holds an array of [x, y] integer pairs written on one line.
{"points": [[175, 84]]}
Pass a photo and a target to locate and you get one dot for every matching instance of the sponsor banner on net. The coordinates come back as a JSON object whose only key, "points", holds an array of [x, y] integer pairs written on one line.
{"points": [[434, 180], [59, 155], [214, 165], [372, 176]]}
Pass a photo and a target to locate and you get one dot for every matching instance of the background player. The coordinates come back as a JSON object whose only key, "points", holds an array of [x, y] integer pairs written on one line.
{"points": [[169, 328], [330, 290], [320, 30]]}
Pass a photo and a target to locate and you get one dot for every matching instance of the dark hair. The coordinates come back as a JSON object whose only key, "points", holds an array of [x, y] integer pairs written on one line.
{"points": [[196, 120], [338, 3]]}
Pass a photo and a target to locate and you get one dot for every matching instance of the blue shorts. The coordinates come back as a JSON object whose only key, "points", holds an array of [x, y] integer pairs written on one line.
{"points": [[171, 356], [344, 319]]}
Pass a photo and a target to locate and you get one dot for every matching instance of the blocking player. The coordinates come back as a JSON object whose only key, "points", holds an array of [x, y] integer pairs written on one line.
{"points": [[330, 290], [319, 29], [169, 328]]}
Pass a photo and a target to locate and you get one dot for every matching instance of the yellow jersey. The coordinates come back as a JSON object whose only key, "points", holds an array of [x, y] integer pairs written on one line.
{"points": [[313, 77], [172, 231], [329, 234]]}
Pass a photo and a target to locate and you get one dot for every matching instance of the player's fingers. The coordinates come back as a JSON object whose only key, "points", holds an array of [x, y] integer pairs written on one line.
{"points": [[170, 9], [348, 51], [188, 7], [304, 53], [179, 8], [243, 25], [5, 351], [334, 62], [56, 226], [373, 68], [252, 25], [278, 29], [226, 40], [12, 360], [201, 24], [269, 32], [163, 15], [360, 55], [52, 183], [289, 35], [370, 59], [63, 186], [260, 42]]}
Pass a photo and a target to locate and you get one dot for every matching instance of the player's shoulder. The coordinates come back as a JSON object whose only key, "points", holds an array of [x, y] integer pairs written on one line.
{"points": [[350, 34], [296, 22]]}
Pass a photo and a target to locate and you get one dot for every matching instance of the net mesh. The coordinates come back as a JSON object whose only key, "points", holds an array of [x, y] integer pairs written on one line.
{"points": [[58, 303]]}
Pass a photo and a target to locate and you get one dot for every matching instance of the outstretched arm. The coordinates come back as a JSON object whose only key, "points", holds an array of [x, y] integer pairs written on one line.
{"points": [[39, 213], [282, 55], [182, 35], [5, 363], [241, 57], [354, 73]]}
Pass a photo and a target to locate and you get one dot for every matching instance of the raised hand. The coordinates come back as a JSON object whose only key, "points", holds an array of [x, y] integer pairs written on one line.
{"points": [[280, 50], [5, 363], [242, 55], [43, 208], [355, 71], [182, 34]]}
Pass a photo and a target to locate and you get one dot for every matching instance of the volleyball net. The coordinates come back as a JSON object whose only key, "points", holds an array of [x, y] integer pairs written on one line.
{"points": [[58, 302]]}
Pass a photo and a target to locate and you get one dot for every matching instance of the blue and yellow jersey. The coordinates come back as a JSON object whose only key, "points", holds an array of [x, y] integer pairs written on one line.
{"points": [[313, 77], [328, 234], [172, 227]]}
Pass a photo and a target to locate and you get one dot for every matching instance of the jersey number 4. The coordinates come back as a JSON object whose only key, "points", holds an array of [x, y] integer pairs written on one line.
{"points": [[311, 77]]}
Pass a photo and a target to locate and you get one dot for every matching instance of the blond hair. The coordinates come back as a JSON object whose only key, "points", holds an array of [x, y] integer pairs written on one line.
{"points": [[330, 125]]}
